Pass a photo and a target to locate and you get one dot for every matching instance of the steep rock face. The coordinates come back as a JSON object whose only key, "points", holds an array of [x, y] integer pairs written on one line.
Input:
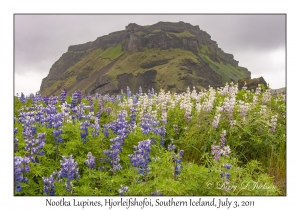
{"points": [[165, 55]]}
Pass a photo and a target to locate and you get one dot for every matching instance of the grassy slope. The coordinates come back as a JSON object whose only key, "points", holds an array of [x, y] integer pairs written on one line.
{"points": [[97, 59], [167, 74], [182, 34], [227, 71], [113, 52]]}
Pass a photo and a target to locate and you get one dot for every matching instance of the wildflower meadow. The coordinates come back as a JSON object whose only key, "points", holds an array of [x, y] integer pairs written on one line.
{"points": [[222, 141]]}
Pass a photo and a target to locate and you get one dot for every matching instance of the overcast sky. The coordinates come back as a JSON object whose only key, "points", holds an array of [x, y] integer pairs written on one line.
{"points": [[256, 41]]}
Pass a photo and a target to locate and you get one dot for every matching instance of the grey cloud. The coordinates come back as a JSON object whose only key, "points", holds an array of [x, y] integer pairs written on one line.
{"points": [[41, 39]]}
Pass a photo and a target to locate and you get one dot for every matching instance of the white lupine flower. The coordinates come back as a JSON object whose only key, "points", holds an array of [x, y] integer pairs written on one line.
{"points": [[273, 124], [232, 123], [267, 96], [225, 151], [243, 108], [198, 106], [223, 91], [263, 110], [216, 120]]}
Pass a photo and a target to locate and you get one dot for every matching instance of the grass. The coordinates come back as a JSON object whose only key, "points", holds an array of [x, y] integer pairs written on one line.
{"points": [[167, 74], [227, 71], [181, 34], [113, 52]]}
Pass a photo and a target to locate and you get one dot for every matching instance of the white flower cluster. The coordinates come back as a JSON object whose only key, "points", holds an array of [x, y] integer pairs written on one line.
{"points": [[273, 124]]}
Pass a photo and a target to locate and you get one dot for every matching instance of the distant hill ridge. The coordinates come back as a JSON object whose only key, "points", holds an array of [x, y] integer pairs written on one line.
{"points": [[165, 55]]}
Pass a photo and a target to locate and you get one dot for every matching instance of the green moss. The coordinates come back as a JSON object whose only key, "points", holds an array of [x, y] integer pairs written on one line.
{"points": [[113, 52], [156, 31], [227, 71], [182, 34], [148, 35], [130, 63], [140, 33], [203, 49]]}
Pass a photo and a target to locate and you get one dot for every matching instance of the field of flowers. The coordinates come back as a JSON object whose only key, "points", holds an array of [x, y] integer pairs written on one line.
{"points": [[222, 141]]}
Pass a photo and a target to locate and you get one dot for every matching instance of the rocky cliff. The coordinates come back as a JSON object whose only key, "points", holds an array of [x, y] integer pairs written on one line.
{"points": [[165, 55]]}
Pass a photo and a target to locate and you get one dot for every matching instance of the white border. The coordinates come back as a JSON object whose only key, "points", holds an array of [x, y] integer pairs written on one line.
{"points": [[8, 201]]}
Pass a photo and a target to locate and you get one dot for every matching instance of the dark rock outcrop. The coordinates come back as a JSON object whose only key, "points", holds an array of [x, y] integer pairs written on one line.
{"points": [[252, 84]]}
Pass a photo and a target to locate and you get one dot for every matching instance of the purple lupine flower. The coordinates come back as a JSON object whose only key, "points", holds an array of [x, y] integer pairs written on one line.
{"points": [[227, 175], [90, 161], [84, 126], [46, 100], [162, 133], [39, 116], [28, 131], [121, 128], [156, 193], [114, 158], [56, 124], [63, 96], [171, 147], [152, 91], [105, 130], [56, 121], [50, 113], [58, 139], [74, 99], [215, 151], [177, 163], [123, 190], [221, 149], [146, 124], [22, 98], [96, 126], [35, 146], [140, 90], [20, 167], [91, 101], [98, 114], [31, 96], [16, 139], [133, 111], [178, 168], [128, 92], [53, 100], [141, 156], [227, 166], [79, 96], [149, 93], [181, 153], [100, 106], [49, 187], [38, 97], [223, 139], [108, 110], [68, 170]]}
